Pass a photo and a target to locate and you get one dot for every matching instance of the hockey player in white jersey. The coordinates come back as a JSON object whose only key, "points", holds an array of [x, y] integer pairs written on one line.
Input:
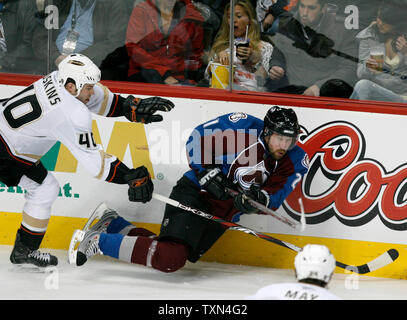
{"points": [[58, 108], [314, 267]]}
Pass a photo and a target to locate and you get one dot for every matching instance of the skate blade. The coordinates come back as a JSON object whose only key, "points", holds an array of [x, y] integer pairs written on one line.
{"points": [[28, 268], [97, 214], [77, 237]]}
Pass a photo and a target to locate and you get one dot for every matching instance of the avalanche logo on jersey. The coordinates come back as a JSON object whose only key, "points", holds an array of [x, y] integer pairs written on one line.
{"points": [[236, 116], [246, 176], [305, 161]]}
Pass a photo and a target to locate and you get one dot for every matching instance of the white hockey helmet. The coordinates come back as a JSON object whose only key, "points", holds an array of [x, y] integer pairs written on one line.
{"points": [[314, 262], [79, 68]]}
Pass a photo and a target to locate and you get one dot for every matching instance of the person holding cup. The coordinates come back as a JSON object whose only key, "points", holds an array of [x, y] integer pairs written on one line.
{"points": [[383, 49], [251, 54]]}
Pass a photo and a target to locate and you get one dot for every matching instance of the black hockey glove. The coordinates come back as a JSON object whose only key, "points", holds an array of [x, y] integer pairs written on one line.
{"points": [[142, 110], [318, 45], [242, 203], [214, 181], [140, 185], [305, 38]]}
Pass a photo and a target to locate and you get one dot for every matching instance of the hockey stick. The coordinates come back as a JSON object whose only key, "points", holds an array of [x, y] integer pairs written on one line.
{"points": [[299, 226], [381, 261]]}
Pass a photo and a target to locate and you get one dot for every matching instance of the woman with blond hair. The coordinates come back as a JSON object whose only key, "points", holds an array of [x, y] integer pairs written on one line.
{"points": [[251, 62]]}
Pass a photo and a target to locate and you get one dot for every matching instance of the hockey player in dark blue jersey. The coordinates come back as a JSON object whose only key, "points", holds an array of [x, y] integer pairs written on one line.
{"points": [[260, 159]]}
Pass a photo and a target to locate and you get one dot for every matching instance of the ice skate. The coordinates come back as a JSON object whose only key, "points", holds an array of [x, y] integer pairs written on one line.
{"points": [[25, 258], [105, 216], [88, 247]]}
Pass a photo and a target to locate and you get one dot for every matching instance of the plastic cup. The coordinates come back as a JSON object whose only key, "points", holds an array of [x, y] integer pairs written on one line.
{"points": [[190, 68], [241, 43], [377, 53]]}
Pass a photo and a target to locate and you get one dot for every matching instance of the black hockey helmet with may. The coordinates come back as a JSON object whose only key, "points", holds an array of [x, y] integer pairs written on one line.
{"points": [[281, 121]]}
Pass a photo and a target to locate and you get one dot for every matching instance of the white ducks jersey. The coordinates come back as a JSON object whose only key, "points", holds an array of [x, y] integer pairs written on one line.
{"points": [[293, 291], [33, 120]]}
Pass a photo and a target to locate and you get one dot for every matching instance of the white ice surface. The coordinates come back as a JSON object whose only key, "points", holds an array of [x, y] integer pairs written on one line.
{"points": [[106, 278]]}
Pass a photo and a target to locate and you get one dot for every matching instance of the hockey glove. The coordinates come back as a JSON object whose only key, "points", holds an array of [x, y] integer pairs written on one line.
{"points": [[214, 181], [140, 185], [242, 203], [142, 110], [319, 45]]}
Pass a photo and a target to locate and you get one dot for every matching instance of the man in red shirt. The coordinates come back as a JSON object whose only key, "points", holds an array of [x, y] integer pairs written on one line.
{"points": [[161, 36]]}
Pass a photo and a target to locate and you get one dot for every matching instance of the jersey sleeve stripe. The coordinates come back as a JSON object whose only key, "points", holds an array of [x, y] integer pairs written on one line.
{"points": [[112, 110], [114, 171], [12, 155], [105, 100], [102, 170]]}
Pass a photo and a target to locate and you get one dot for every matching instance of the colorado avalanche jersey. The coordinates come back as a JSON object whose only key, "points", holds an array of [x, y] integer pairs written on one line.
{"points": [[33, 120], [234, 143], [293, 291]]}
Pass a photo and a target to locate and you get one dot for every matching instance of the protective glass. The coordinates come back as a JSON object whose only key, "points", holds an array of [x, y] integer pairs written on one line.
{"points": [[280, 141]]}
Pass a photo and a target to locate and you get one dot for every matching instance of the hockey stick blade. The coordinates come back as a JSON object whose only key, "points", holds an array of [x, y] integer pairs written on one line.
{"points": [[380, 262]]}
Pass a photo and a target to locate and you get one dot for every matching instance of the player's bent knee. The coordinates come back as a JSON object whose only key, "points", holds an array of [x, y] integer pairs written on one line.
{"points": [[52, 186], [169, 256], [48, 191], [40, 197]]}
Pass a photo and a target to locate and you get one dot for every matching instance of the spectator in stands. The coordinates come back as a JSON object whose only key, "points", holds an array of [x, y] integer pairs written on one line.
{"points": [[212, 12], [388, 32], [368, 90], [308, 66], [93, 28], [17, 19], [267, 15], [162, 36], [216, 6], [252, 62]]}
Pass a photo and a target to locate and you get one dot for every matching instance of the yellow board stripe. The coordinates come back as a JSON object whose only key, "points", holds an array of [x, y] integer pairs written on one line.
{"points": [[234, 247]]}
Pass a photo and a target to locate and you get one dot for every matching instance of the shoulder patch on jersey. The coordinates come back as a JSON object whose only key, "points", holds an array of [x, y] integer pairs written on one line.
{"points": [[236, 116], [299, 156], [102, 94], [305, 161]]}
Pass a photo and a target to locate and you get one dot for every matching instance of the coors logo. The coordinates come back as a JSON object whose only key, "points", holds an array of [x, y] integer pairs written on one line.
{"points": [[342, 182]]}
